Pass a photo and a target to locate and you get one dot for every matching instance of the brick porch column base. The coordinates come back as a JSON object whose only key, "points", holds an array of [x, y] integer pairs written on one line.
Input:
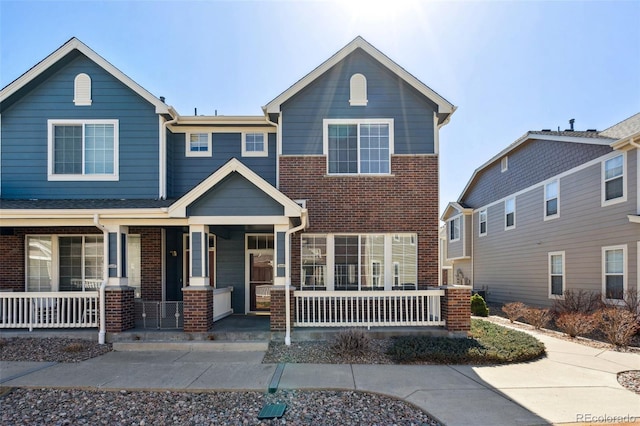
{"points": [[198, 309], [278, 311], [456, 307], [119, 308]]}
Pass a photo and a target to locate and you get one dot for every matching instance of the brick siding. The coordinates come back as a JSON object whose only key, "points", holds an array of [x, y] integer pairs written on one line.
{"points": [[198, 309], [120, 307], [456, 308], [277, 320], [150, 262]]}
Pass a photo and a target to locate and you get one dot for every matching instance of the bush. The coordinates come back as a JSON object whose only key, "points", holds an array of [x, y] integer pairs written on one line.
{"points": [[479, 306], [576, 323], [490, 344], [352, 341], [617, 325], [581, 301], [514, 310], [537, 317]]}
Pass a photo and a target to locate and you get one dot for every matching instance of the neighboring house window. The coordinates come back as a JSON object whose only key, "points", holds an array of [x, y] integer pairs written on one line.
{"points": [[358, 90], [83, 149], [454, 229], [82, 90], [504, 164], [254, 145], [551, 200], [613, 180], [358, 146], [482, 217], [198, 145], [314, 262], [510, 213], [556, 274], [614, 268]]}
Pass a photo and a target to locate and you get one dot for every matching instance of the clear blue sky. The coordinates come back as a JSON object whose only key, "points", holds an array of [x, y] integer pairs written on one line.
{"points": [[509, 67]]}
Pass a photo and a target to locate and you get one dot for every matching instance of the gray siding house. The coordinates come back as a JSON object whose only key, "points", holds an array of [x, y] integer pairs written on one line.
{"points": [[553, 211]]}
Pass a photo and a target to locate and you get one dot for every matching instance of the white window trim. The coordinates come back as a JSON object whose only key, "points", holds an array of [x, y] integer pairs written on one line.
{"points": [[625, 272], [544, 205], [357, 121], [263, 153], [353, 84], [486, 222], [506, 228], [51, 176], [564, 275], [622, 199], [450, 223], [504, 164], [82, 95], [187, 145]]}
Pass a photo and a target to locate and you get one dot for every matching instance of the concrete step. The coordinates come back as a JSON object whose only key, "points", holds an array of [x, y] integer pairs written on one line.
{"points": [[192, 346]]}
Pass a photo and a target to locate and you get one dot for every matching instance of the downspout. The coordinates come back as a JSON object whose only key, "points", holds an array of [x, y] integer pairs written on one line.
{"points": [[304, 222], [103, 320]]}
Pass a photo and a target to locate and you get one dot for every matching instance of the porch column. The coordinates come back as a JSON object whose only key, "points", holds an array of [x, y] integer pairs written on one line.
{"points": [[277, 320], [198, 296], [456, 308], [119, 297]]}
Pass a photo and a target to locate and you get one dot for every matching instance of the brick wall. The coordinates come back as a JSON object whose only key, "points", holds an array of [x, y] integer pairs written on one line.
{"points": [[456, 308], [120, 307], [405, 201], [277, 320], [198, 309], [150, 262]]}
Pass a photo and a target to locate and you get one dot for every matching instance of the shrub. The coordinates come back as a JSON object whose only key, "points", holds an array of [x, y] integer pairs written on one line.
{"points": [[537, 317], [576, 323], [490, 344], [479, 306], [352, 341], [582, 301], [617, 325], [514, 310], [632, 302]]}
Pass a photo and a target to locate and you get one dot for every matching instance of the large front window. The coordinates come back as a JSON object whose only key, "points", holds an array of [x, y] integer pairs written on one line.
{"points": [[359, 147], [83, 150]]}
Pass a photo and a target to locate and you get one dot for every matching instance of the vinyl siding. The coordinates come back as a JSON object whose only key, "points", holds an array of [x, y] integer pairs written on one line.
{"points": [[24, 137], [231, 268], [513, 264], [328, 97]]}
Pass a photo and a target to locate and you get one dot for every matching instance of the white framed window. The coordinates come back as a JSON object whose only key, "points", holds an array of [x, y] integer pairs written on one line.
{"points": [[614, 272], [454, 229], [358, 146], [82, 150], [358, 90], [198, 145], [510, 213], [613, 180], [82, 90], [255, 145], [504, 164], [482, 222], [557, 280], [313, 258], [551, 200], [404, 258]]}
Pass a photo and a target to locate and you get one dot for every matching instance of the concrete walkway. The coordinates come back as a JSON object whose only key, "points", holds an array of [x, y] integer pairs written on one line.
{"points": [[573, 384]]}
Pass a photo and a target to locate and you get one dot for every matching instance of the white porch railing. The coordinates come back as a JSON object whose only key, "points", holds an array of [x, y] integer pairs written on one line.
{"points": [[69, 309], [368, 309], [222, 303]]}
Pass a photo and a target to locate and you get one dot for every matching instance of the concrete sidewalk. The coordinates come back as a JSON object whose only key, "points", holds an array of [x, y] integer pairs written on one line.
{"points": [[573, 383]]}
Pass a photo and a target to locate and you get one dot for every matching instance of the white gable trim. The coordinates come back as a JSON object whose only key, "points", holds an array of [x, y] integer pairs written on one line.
{"points": [[68, 47], [444, 106], [179, 208], [454, 209]]}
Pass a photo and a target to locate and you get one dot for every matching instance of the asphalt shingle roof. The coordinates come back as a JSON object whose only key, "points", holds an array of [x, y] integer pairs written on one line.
{"points": [[83, 204]]}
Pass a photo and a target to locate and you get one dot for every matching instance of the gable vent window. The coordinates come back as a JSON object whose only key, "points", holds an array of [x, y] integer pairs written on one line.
{"points": [[504, 164], [82, 90], [358, 90]]}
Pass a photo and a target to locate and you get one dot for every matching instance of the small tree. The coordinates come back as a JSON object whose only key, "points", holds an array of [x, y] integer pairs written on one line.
{"points": [[537, 317], [514, 310], [617, 325], [576, 323], [479, 306]]}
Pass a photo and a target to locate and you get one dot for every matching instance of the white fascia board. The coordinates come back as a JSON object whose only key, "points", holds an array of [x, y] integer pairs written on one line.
{"points": [[238, 220], [6, 214], [68, 47], [452, 207], [634, 218], [630, 142], [242, 120], [444, 106], [179, 208]]}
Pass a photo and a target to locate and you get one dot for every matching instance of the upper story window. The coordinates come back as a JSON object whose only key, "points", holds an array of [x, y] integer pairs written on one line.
{"points": [[482, 218], [198, 145], [83, 149], [551, 200], [510, 213], [358, 90], [82, 90], [358, 146], [504, 164], [613, 172], [454, 229], [254, 145]]}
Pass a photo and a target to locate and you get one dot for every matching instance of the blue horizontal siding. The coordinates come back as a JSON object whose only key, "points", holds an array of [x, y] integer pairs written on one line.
{"points": [[24, 137], [328, 97], [185, 173]]}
